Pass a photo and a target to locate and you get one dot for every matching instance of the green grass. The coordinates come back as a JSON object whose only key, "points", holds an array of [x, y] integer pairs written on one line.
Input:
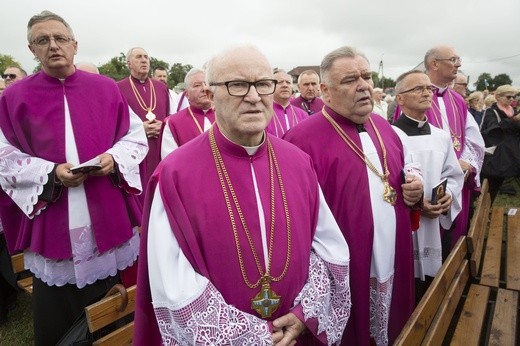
{"points": [[19, 329]]}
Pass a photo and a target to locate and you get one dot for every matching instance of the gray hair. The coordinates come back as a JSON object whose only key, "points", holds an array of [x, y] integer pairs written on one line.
{"points": [[431, 54], [328, 60], [399, 83], [87, 66], [308, 73], [21, 70], [130, 51], [43, 17], [190, 74]]}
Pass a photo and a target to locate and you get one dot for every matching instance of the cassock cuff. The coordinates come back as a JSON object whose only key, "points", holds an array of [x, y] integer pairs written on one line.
{"points": [[52, 189]]}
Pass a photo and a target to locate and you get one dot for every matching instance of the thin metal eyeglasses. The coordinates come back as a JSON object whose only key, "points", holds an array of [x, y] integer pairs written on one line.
{"points": [[453, 59], [44, 41], [241, 88], [419, 90]]}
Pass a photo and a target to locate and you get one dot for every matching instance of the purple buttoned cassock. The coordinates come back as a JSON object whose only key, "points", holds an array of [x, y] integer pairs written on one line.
{"points": [[161, 111], [343, 178], [182, 126], [314, 106], [32, 120], [456, 111], [278, 126]]}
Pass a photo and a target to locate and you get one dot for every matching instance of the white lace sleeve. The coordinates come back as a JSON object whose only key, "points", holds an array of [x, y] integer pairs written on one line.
{"points": [[474, 147], [168, 143], [130, 150], [22, 177], [188, 308], [326, 294]]}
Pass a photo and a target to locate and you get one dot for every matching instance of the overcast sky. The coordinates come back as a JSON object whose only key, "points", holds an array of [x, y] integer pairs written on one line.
{"points": [[485, 33]]}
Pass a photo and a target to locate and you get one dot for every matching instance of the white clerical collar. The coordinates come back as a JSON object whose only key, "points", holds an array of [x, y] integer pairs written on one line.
{"points": [[441, 89], [250, 150], [420, 124]]}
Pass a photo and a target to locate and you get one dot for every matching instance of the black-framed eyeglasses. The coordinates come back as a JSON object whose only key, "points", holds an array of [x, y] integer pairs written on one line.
{"points": [[510, 97], [419, 90], [44, 41], [241, 88], [453, 59], [9, 75]]}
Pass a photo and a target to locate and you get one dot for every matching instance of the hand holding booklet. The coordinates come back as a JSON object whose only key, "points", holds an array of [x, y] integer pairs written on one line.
{"points": [[87, 166], [438, 191]]}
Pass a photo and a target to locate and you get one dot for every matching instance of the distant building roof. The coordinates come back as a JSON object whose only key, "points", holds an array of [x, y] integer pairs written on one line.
{"points": [[297, 70]]}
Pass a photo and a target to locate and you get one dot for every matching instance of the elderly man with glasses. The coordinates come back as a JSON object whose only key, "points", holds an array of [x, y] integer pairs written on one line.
{"points": [[77, 227], [431, 147], [13, 74], [239, 246], [449, 112]]}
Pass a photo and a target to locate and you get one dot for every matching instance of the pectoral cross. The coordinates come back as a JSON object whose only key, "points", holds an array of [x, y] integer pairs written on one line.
{"points": [[266, 302]]}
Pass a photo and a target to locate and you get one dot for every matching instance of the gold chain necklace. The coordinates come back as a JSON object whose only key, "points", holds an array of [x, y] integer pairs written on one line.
{"points": [[454, 136], [266, 301], [195, 120], [389, 194], [153, 99]]}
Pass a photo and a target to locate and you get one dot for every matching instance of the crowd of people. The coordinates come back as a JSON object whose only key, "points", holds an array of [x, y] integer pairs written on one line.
{"points": [[244, 214]]}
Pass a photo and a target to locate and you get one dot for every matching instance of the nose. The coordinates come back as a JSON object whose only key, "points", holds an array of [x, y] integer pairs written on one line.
{"points": [[252, 95]]}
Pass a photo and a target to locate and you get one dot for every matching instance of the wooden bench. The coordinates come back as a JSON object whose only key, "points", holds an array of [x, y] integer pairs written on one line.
{"points": [[467, 303], [118, 304], [25, 283]]}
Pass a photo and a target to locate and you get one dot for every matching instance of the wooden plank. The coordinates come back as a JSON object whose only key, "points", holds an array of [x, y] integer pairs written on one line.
{"points": [[26, 284], [491, 266], [121, 336], [471, 321], [503, 327], [418, 324], [513, 252], [478, 238], [477, 228], [17, 263], [444, 316], [104, 312]]}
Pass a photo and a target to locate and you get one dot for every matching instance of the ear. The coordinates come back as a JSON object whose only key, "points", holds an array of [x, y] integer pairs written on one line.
{"points": [[75, 47], [399, 99], [325, 92], [209, 94], [32, 50]]}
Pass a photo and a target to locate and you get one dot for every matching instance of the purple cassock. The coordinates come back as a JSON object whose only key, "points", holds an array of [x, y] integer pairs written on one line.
{"points": [[310, 107], [184, 127], [32, 120], [205, 300], [284, 118], [467, 143], [162, 108], [343, 177]]}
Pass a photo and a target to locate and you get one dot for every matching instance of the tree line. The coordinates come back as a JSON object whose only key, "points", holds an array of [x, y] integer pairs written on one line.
{"points": [[117, 69]]}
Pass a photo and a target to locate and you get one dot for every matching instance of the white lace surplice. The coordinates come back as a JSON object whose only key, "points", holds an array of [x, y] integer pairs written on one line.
{"points": [[190, 311], [23, 178]]}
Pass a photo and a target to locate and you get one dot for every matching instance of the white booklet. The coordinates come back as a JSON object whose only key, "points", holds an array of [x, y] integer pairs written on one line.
{"points": [[87, 166]]}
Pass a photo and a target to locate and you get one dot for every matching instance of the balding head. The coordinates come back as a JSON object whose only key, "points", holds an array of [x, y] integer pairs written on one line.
{"points": [[442, 64], [243, 117], [87, 67]]}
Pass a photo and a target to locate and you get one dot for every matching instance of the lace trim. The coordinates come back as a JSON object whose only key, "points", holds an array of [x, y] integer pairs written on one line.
{"points": [[428, 253], [326, 297], [23, 177], [208, 320], [128, 156], [87, 265], [380, 301]]}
